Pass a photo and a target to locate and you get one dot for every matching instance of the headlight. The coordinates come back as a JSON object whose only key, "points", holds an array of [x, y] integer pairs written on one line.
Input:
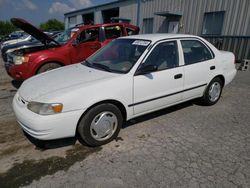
{"points": [[18, 60], [45, 108]]}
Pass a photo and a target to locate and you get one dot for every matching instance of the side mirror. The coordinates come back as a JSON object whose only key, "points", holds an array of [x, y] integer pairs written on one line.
{"points": [[146, 69], [74, 43]]}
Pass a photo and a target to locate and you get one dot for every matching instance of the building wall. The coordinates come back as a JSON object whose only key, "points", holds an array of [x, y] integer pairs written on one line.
{"points": [[129, 10], [235, 35]]}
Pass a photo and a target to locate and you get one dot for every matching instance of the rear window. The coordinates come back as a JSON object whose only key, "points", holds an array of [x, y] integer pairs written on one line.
{"points": [[194, 51]]}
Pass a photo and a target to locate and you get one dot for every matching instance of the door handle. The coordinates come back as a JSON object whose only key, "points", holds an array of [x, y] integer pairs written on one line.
{"points": [[177, 76], [212, 67]]}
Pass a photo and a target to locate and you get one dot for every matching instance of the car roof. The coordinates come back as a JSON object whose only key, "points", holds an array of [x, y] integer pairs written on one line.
{"points": [[159, 36]]}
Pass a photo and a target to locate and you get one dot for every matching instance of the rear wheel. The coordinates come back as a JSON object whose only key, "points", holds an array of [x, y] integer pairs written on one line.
{"points": [[47, 67], [100, 125], [213, 92]]}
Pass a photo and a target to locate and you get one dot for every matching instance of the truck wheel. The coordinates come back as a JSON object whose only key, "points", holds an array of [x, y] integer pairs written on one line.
{"points": [[47, 67], [100, 125], [213, 92]]}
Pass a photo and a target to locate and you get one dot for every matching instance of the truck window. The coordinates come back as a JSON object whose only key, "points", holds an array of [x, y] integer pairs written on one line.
{"points": [[88, 35], [112, 32]]}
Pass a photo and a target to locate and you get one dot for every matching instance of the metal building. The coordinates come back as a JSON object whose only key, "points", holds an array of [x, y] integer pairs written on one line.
{"points": [[225, 23]]}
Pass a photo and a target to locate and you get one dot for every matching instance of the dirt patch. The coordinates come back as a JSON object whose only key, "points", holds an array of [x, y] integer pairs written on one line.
{"points": [[13, 149], [22, 174]]}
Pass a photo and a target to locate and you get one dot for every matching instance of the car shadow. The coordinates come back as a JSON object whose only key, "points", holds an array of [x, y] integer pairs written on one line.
{"points": [[51, 144], [16, 84]]}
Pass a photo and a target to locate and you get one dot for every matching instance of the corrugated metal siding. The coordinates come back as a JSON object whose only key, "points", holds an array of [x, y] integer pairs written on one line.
{"points": [[193, 13], [240, 46], [129, 10]]}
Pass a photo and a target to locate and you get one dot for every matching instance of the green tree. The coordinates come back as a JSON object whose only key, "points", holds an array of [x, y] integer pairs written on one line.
{"points": [[52, 24], [6, 27]]}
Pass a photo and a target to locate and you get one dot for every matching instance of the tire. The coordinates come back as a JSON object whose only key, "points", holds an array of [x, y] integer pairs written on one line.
{"points": [[100, 125], [47, 67], [213, 92]]}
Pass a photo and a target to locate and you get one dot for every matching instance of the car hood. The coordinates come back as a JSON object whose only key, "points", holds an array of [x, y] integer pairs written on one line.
{"points": [[32, 30], [9, 42], [60, 79], [21, 45]]}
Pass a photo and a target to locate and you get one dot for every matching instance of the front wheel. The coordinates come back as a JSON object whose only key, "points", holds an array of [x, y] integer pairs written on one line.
{"points": [[213, 92], [100, 125]]}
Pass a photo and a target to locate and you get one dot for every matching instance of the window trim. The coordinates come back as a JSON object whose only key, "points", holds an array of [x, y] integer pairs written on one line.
{"points": [[208, 48], [152, 47]]}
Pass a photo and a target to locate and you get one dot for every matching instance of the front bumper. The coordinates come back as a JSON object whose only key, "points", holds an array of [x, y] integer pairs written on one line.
{"points": [[48, 127], [17, 72]]}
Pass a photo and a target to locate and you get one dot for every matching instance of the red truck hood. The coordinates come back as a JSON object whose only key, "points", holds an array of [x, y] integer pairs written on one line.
{"points": [[32, 30]]}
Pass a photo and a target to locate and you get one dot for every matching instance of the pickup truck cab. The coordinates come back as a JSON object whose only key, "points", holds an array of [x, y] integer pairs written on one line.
{"points": [[72, 46]]}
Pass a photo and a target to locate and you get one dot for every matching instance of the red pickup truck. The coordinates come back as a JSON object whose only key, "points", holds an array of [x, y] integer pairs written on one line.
{"points": [[72, 46]]}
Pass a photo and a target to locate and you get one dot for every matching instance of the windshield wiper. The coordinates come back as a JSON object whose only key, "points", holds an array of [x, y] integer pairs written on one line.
{"points": [[87, 63], [101, 66]]}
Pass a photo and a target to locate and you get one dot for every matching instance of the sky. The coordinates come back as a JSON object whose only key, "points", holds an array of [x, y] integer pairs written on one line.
{"points": [[38, 11]]}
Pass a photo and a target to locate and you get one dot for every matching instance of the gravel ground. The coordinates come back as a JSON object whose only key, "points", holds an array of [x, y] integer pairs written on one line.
{"points": [[187, 145]]}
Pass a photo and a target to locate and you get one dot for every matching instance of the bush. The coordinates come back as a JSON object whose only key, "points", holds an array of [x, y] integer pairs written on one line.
{"points": [[52, 24], [6, 27]]}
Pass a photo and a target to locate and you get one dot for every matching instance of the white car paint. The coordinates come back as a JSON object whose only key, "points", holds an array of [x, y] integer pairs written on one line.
{"points": [[78, 87]]}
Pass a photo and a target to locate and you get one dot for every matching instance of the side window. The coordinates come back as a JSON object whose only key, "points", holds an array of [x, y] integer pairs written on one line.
{"points": [[194, 51], [164, 56], [88, 35], [112, 32], [131, 31]]}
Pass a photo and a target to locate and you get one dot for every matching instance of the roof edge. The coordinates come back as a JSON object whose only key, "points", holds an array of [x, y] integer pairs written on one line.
{"points": [[93, 7]]}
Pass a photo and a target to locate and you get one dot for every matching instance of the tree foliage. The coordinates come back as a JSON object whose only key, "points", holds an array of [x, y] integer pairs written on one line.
{"points": [[6, 27], [52, 24]]}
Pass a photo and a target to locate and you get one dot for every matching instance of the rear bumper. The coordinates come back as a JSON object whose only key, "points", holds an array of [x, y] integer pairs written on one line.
{"points": [[48, 127], [229, 76]]}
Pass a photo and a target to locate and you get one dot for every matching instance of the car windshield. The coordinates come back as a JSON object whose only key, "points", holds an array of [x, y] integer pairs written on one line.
{"points": [[65, 36], [119, 56]]}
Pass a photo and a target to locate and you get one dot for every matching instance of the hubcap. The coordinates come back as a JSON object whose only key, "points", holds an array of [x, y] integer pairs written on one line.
{"points": [[214, 91], [103, 126]]}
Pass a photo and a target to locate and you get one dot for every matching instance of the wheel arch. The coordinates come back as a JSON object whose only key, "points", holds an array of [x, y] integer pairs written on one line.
{"points": [[117, 103], [47, 62], [220, 76]]}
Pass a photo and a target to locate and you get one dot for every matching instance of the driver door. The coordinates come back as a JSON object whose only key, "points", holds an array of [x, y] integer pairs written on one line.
{"points": [[87, 42], [160, 88]]}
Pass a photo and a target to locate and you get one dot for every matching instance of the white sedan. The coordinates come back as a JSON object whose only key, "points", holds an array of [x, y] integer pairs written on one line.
{"points": [[129, 77]]}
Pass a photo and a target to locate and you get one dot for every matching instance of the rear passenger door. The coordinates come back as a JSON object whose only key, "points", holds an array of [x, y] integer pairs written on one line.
{"points": [[199, 67]]}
